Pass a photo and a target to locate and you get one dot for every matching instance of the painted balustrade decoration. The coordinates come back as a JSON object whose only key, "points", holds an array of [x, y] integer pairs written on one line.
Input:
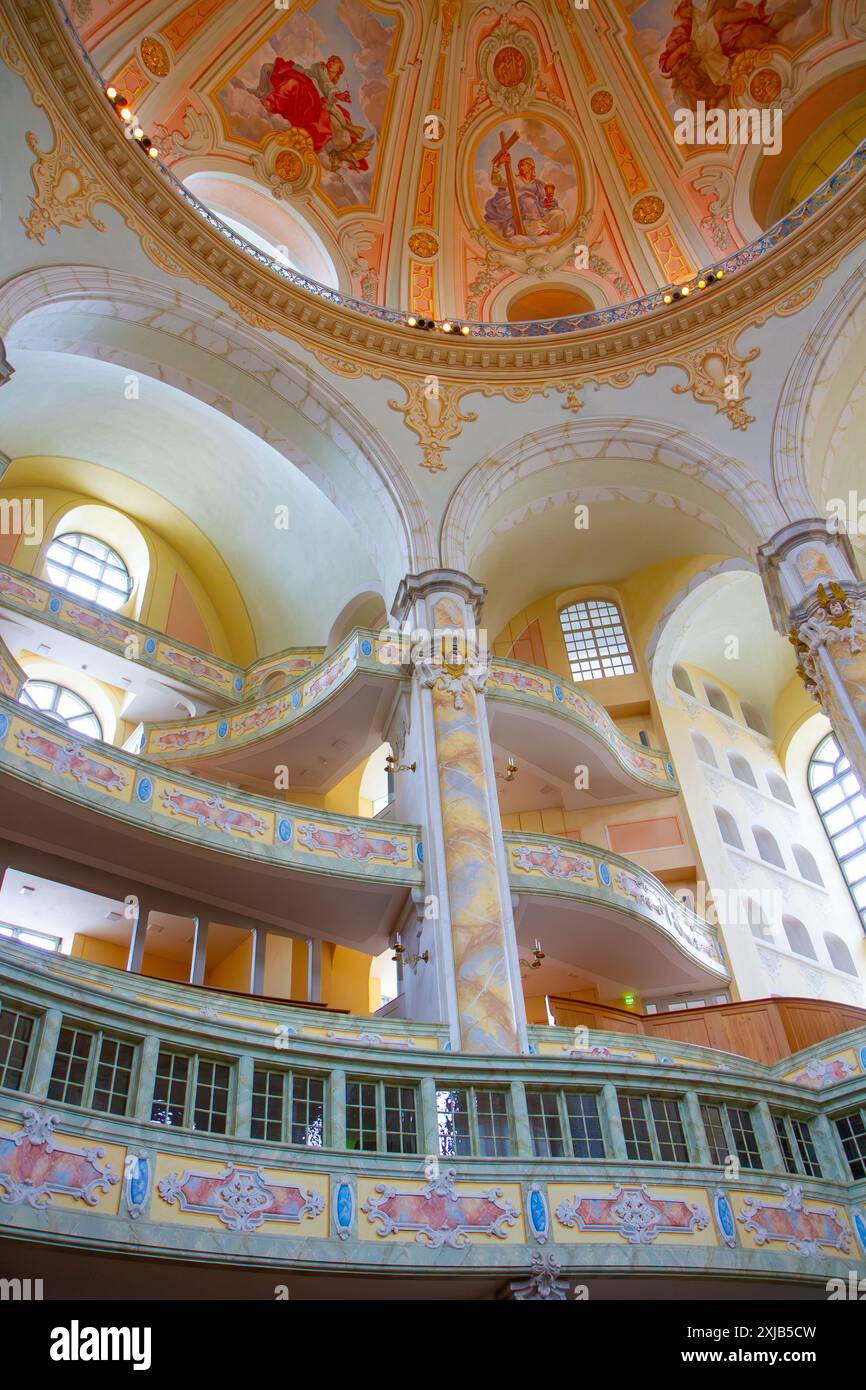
{"points": [[11, 676], [126, 1181], [552, 865], [534, 687], [180, 738], [120, 784], [23, 593]]}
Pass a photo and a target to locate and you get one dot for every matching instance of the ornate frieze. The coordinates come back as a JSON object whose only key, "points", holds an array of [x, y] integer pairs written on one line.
{"points": [[243, 1199], [808, 1229], [633, 1213], [439, 1214], [35, 1166]]}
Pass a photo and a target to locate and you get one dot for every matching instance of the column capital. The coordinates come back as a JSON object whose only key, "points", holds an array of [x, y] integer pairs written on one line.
{"points": [[804, 554], [415, 587]]}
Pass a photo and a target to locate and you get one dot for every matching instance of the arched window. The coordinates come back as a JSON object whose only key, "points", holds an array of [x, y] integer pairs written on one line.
{"points": [[63, 705], [767, 846], [839, 954], [89, 568], [728, 828], [779, 788], [806, 864], [842, 807], [704, 750], [682, 682], [753, 719], [742, 769], [595, 640], [799, 939], [718, 699], [758, 924]]}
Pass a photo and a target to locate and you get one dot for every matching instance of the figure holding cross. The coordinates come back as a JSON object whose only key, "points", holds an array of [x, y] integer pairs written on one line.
{"points": [[522, 207]]}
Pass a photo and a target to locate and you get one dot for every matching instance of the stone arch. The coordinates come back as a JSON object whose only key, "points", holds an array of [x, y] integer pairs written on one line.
{"points": [[223, 337]]}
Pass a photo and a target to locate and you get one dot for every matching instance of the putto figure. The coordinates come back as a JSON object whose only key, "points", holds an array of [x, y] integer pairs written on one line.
{"points": [[309, 99]]}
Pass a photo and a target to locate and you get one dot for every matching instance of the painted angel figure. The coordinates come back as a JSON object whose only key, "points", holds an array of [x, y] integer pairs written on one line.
{"points": [[310, 99]]}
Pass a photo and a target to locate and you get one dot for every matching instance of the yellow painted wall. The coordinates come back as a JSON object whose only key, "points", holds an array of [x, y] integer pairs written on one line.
{"points": [[277, 980], [235, 970], [161, 967], [177, 547], [99, 952], [346, 978]]}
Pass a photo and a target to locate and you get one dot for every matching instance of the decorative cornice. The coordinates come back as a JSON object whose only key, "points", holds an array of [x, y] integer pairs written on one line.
{"points": [[801, 250]]}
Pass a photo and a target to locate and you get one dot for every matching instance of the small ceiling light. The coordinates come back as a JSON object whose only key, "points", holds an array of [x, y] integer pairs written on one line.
{"points": [[125, 114], [137, 132], [719, 274], [702, 284], [26, 888], [667, 297], [412, 321], [465, 329], [111, 93], [153, 151], [446, 327], [686, 289]]}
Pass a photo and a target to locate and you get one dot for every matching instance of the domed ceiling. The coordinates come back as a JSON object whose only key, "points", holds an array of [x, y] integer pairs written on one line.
{"points": [[489, 162]]}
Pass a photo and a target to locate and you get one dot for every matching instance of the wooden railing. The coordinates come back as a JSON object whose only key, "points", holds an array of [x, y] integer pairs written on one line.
{"points": [[766, 1030]]}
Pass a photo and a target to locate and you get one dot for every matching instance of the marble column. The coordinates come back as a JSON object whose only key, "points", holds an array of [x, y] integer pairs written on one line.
{"points": [[443, 729], [818, 600]]}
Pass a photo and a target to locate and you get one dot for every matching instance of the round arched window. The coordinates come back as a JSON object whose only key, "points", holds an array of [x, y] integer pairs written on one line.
{"points": [[89, 568], [63, 705]]}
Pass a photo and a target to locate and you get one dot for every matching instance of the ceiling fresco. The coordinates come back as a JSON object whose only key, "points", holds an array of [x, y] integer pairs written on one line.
{"points": [[453, 157]]}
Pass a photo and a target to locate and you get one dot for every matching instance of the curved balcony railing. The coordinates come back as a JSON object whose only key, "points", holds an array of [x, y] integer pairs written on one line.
{"points": [[147, 646], [628, 313], [209, 1187], [551, 865], [535, 688], [361, 652], [117, 783]]}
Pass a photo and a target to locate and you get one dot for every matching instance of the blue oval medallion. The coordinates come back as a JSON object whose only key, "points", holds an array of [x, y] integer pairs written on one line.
{"points": [[343, 1206], [863, 1059], [861, 1228], [284, 830], [367, 647], [54, 605], [144, 789], [671, 773], [239, 682], [150, 646], [4, 725], [138, 1184], [604, 875], [222, 729], [725, 1215], [557, 693], [538, 1212], [296, 699], [419, 850]]}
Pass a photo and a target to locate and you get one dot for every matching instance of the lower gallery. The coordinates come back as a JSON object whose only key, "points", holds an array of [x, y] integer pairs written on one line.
{"points": [[432, 651]]}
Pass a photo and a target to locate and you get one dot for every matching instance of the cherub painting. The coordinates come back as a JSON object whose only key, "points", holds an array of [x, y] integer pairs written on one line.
{"points": [[694, 48], [309, 99], [325, 72]]}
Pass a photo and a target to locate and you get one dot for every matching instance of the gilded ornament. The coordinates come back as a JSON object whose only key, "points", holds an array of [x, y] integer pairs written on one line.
{"points": [[423, 244], [601, 103], [766, 85], [648, 209], [155, 57], [509, 66], [508, 63]]}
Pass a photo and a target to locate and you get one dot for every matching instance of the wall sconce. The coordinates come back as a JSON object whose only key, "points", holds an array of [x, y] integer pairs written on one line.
{"points": [[539, 957], [391, 765], [510, 771], [411, 960]]}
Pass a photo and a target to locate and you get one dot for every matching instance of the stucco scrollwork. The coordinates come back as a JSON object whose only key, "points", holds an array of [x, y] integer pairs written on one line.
{"points": [[718, 375]]}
